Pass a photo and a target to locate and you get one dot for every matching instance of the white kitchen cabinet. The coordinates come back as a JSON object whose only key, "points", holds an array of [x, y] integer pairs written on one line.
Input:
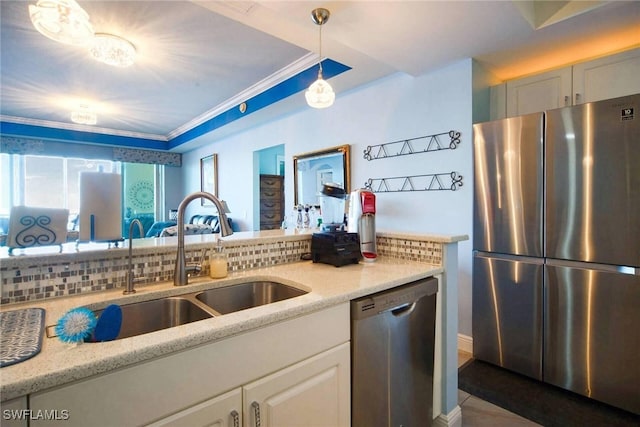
{"points": [[540, 92], [14, 413], [314, 392], [604, 78], [221, 411], [192, 383]]}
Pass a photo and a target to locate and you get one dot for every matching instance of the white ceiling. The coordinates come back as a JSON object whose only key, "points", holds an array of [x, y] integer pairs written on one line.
{"points": [[198, 58]]}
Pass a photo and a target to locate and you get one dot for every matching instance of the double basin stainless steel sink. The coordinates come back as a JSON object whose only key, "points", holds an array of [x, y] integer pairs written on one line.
{"points": [[149, 316]]}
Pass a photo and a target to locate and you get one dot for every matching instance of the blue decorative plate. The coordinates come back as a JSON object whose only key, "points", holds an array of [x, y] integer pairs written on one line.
{"points": [[20, 335]]}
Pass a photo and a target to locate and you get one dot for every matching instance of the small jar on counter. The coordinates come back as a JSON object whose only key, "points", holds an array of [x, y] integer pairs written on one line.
{"points": [[218, 262]]}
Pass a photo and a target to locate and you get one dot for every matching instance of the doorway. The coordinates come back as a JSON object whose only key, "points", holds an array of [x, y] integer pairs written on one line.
{"points": [[269, 188]]}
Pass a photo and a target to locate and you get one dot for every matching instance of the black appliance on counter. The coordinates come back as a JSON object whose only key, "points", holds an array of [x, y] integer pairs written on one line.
{"points": [[335, 248]]}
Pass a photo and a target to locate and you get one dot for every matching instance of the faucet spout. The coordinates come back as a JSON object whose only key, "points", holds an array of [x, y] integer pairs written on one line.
{"points": [[180, 277], [129, 289]]}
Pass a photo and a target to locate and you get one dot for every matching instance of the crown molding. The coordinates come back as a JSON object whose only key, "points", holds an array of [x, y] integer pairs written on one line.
{"points": [[279, 76], [81, 128]]}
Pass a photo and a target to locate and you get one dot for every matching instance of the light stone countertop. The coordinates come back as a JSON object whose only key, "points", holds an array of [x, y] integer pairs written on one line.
{"points": [[60, 363]]}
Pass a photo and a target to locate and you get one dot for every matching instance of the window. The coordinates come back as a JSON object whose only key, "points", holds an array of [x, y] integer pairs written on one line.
{"points": [[48, 181], [45, 181]]}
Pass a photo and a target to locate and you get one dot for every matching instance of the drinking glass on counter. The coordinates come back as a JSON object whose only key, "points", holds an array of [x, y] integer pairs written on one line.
{"points": [[218, 262]]}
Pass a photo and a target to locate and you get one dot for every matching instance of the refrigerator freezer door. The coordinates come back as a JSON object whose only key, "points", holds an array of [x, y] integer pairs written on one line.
{"points": [[593, 182], [592, 334], [509, 185], [507, 312]]}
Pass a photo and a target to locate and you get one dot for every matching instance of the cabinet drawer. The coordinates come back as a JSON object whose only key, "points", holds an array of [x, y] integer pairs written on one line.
{"points": [[270, 216], [270, 225], [270, 205], [271, 182], [270, 195]]}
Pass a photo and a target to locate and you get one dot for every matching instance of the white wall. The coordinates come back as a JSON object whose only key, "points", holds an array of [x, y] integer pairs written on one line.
{"points": [[394, 108]]}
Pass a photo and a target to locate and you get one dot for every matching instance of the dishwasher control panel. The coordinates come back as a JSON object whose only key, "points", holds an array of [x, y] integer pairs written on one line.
{"points": [[396, 297]]}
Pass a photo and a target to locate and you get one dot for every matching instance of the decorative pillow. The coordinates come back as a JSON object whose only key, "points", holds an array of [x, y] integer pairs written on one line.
{"points": [[188, 229]]}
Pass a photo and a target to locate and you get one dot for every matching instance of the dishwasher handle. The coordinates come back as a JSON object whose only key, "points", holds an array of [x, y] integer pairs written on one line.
{"points": [[404, 309], [399, 301]]}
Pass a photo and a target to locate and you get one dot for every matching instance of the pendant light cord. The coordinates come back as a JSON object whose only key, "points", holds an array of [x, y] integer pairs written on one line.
{"points": [[320, 52]]}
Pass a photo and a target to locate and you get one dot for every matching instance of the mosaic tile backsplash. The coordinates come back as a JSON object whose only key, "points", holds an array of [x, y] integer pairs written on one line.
{"points": [[28, 283]]}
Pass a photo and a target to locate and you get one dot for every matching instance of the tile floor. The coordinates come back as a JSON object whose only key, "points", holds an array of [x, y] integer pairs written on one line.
{"points": [[479, 413]]}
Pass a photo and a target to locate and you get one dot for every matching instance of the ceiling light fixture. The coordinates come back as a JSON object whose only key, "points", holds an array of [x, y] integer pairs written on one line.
{"points": [[112, 50], [320, 94], [62, 20], [84, 115]]}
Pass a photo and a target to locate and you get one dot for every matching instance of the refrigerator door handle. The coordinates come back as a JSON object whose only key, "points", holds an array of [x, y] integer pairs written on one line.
{"points": [[508, 257], [622, 269]]}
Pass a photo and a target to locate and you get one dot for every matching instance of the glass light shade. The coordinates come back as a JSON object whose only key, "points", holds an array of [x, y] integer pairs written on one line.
{"points": [[62, 20], [84, 116], [112, 50], [320, 94]]}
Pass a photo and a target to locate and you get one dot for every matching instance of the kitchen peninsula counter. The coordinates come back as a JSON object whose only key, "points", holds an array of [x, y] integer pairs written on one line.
{"points": [[59, 363]]}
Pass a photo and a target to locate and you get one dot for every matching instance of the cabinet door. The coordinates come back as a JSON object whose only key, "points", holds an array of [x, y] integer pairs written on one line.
{"points": [[221, 411], [605, 78], [14, 413], [314, 392], [541, 92]]}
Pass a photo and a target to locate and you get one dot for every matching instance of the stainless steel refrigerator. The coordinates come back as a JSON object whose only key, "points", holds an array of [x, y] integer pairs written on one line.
{"points": [[556, 273]]}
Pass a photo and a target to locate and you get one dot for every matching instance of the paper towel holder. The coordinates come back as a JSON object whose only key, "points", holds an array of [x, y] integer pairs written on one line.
{"points": [[100, 208]]}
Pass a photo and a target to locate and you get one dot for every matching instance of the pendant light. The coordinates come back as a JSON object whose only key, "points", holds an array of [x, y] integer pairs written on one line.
{"points": [[320, 94]]}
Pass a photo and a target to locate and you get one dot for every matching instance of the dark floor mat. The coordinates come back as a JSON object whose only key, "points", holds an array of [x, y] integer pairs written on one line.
{"points": [[539, 402]]}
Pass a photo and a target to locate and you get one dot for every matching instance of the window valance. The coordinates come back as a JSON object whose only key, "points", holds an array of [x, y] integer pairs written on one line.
{"points": [[32, 146]]}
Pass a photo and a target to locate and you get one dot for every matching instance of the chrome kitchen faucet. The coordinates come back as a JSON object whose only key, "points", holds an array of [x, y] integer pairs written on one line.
{"points": [[180, 277]]}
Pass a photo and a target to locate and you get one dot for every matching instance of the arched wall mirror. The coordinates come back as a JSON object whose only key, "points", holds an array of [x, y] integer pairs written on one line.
{"points": [[312, 170]]}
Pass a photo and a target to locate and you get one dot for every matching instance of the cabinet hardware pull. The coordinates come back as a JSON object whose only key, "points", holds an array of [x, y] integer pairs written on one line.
{"points": [[256, 411], [236, 418], [577, 98], [566, 100]]}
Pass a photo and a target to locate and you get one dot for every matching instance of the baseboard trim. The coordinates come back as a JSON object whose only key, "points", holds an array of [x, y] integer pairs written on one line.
{"points": [[452, 419], [465, 343]]}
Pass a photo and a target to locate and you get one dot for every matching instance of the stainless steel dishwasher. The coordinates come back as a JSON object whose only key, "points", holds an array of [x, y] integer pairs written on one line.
{"points": [[392, 351]]}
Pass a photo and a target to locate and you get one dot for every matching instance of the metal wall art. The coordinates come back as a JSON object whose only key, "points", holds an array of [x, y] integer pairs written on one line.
{"points": [[449, 181], [421, 144], [430, 182]]}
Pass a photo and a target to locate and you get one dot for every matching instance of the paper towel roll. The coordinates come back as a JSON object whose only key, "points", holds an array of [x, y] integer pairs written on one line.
{"points": [[100, 207]]}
